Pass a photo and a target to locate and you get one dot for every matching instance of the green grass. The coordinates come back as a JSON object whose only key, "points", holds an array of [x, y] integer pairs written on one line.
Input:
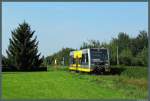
{"points": [[62, 84]]}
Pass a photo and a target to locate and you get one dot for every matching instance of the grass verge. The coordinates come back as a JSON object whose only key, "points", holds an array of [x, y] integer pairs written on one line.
{"points": [[62, 84]]}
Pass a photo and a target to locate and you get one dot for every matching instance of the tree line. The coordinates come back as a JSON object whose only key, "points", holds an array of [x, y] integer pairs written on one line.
{"points": [[22, 52], [62, 57], [132, 51]]}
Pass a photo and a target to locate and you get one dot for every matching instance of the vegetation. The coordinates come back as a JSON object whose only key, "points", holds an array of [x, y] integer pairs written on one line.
{"points": [[132, 51], [61, 56], [22, 53], [61, 84], [58, 83], [131, 71]]}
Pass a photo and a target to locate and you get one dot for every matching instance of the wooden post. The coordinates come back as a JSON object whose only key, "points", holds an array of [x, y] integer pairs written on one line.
{"points": [[117, 57]]}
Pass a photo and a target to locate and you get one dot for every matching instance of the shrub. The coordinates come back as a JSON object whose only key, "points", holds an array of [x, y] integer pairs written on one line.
{"points": [[126, 57], [135, 72]]}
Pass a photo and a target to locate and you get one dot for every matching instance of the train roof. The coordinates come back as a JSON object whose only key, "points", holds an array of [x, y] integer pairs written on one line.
{"points": [[85, 50]]}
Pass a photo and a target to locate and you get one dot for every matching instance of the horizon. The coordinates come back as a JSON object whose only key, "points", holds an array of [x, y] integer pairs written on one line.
{"points": [[61, 23]]}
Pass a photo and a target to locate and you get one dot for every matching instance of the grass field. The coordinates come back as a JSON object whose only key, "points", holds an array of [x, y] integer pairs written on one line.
{"points": [[62, 84]]}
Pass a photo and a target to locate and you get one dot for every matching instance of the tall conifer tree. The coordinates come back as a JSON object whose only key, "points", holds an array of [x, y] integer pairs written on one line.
{"points": [[23, 48]]}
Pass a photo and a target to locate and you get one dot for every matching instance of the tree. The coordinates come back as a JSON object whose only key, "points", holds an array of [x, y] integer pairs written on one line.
{"points": [[143, 57], [113, 53], [142, 41], [23, 48], [137, 44], [62, 55], [93, 44], [133, 46], [126, 57], [123, 41], [4, 61]]}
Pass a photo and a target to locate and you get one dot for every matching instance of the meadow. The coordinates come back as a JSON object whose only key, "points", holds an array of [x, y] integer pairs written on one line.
{"points": [[132, 83]]}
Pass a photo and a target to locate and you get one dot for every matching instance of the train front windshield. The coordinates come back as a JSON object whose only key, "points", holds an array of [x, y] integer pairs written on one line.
{"points": [[99, 55]]}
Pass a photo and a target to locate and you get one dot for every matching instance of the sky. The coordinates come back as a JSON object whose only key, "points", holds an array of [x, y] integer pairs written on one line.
{"points": [[69, 24]]}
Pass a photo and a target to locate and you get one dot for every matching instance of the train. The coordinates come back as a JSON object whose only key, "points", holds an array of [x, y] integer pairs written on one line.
{"points": [[90, 60]]}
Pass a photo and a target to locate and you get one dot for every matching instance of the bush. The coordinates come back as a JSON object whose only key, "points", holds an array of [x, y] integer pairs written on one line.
{"points": [[130, 71], [126, 57], [13, 69], [143, 57], [137, 62], [117, 70], [135, 72], [125, 60]]}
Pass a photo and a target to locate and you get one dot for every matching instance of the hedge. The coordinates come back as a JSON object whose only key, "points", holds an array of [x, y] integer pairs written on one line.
{"points": [[12, 69]]}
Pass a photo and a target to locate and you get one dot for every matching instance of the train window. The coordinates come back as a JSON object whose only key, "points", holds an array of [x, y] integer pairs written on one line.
{"points": [[87, 60], [84, 60], [99, 54]]}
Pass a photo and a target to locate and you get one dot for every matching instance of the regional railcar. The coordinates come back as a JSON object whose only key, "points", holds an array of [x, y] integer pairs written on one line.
{"points": [[91, 59]]}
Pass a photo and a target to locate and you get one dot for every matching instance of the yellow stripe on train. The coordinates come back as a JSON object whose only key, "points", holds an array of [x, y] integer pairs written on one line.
{"points": [[74, 65], [80, 69]]}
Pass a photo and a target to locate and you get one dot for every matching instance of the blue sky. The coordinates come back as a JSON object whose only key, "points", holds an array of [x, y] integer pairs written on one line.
{"points": [[67, 24]]}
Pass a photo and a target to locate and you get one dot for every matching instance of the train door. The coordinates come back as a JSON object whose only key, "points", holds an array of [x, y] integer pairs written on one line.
{"points": [[85, 60], [77, 57]]}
